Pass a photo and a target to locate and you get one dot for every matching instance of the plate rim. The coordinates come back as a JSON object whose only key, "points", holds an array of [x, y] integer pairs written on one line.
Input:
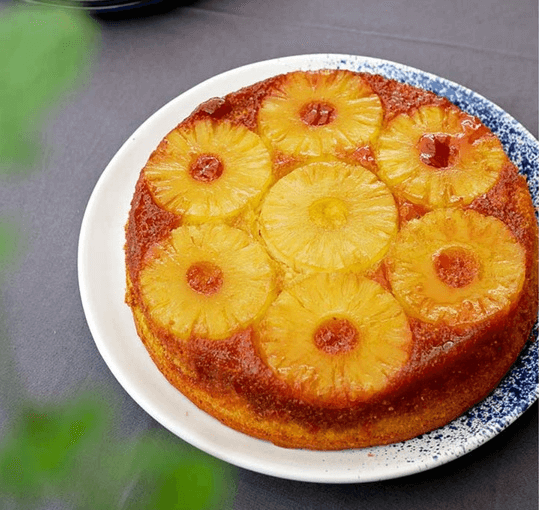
{"points": [[102, 193]]}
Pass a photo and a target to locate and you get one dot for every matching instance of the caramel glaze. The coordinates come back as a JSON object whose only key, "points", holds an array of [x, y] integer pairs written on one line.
{"points": [[398, 98], [444, 375]]}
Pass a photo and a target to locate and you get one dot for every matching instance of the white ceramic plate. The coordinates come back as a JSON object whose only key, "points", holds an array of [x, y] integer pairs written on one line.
{"points": [[102, 286]]}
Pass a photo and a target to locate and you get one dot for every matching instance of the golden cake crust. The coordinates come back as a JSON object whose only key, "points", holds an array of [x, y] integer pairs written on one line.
{"points": [[449, 367]]}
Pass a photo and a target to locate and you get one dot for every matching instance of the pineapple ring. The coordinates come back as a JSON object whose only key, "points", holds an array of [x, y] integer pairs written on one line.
{"points": [[456, 267], [208, 281], [317, 114], [373, 337], [438, 157], [208, 170], [328, 217]]}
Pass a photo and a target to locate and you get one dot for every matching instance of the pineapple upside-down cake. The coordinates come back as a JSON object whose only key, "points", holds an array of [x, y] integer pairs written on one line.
{"points": [[332, 260]]}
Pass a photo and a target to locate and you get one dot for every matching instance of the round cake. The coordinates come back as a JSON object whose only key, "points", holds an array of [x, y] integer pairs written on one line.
{"points": [[332, 259]]}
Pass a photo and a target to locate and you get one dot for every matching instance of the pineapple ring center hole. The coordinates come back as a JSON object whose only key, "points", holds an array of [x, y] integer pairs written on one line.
{"points": [[336, 336], [205, 278], [437, 150], [206, 168], [317, 113], [329, 213], [456, 266]]}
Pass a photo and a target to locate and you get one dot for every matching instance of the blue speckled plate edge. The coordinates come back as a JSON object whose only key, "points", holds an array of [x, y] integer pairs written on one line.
{"points": [[108, 317]]}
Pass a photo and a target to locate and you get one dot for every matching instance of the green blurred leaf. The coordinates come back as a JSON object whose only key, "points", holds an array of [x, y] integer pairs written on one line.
{"points": [[43, 449], [45, 52], [169, 474], [65, 451], [190, 486]]}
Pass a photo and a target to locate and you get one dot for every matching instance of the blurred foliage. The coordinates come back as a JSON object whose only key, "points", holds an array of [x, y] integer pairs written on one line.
{"points": [[172, 475], [45, 53], [43, 449], [66, 451]]}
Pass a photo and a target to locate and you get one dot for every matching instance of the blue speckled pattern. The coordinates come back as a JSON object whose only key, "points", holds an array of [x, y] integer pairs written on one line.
{"points": [[519, 389]]}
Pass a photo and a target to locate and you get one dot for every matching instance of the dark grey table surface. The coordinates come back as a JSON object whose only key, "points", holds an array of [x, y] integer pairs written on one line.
{"points": [[489, 46]]}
